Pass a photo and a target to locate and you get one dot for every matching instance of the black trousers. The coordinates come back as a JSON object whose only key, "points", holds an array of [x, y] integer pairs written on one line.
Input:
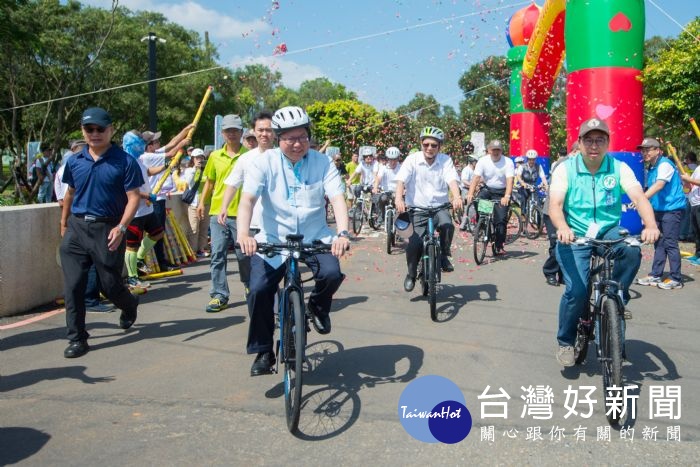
{"points": [[85, 244], [551, 266], [159, 247], [500, 213], [442, 222]]}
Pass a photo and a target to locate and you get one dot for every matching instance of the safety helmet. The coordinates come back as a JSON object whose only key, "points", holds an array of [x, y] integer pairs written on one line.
{"points": [[432, 132], [403, 225], [288, 118], [332, 151], [393, 153], [366, 151], [519, 159], [531, 154]]}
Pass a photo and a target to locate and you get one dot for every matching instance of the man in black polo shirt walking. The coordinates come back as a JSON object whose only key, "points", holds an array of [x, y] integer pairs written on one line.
{"points": [[102, 198]]}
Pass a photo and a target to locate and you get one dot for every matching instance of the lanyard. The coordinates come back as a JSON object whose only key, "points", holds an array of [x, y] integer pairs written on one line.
{"points": [[297, 183]]}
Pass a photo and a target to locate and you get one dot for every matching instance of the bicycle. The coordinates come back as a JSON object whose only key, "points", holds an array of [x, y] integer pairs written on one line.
{"points": [[485, 230], [429, 270], [532, 214], [292, 319], [389, 216], [604, 321], [364, 209]]}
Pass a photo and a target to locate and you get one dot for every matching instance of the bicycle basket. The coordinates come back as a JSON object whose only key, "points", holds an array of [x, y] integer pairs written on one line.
{"points": [[485, 206]]}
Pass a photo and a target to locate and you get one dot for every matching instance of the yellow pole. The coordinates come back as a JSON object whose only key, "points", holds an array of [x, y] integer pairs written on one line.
{"points": [[161, 275], [674, 154], [168, 250], [175, 245], [176, 158], [181, 238], [695, 127]]}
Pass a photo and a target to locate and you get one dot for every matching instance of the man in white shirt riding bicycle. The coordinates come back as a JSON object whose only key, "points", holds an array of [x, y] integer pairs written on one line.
{"points": [[385, 180], [425, 178], [497, 173]]}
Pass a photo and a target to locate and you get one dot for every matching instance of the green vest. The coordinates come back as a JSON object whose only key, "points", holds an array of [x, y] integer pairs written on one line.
{"points": [[593, 198]]}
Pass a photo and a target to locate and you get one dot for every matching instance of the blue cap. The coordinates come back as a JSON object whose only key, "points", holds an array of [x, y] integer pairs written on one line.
{"points": [[96, 116]]}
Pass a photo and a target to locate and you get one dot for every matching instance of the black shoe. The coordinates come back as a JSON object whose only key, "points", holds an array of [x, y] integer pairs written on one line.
{"points": [[263, 364], [409, 283], [76, 349], [142, 268], [126, 320], [552, 280], [446, 265], [321, 321], [167, 267]]}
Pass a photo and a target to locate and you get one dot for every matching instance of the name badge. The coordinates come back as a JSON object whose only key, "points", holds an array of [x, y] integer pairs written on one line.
{"points": [[593, 230]]}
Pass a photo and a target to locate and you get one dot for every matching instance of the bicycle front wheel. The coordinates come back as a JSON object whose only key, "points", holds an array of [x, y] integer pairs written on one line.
{"points": [[293, 345], [389, 223], [481, 239], [611, 353], [432, 275], [514, 224], [357, 218]]}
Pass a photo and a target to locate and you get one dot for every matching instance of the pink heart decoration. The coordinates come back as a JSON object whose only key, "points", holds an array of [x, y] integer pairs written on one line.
{"points": [[620, 22], [603, 111]]}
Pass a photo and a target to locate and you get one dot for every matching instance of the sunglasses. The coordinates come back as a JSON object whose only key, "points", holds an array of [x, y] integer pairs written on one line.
{"points": [[94, 129], [430, 145]]}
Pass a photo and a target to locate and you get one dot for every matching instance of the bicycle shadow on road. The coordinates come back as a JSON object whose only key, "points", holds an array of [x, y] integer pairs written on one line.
{"points": [[451, 298], [645, 363], [340, 303], [333, 407]]}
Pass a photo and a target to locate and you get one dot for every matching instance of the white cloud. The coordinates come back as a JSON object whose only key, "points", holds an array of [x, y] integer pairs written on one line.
{"points": [[192, 15], [293, 73]]}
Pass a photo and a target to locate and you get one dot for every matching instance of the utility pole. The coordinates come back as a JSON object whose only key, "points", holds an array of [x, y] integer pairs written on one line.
{"points": [[152, 116]]}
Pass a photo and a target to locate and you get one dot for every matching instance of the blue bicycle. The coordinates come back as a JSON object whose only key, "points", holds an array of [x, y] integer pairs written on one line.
{"points": [[292, 319]]}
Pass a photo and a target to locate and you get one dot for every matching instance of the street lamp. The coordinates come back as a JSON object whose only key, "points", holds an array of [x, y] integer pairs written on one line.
{"points": [[152, 117]]}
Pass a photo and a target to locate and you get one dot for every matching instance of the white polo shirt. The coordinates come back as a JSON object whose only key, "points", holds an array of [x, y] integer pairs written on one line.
{"points": [[237, 176], [387, 177], [427, 186], [495, 174], [367, 172]]}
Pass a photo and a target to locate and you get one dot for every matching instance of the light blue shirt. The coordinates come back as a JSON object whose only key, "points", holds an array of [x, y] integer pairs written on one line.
{"points": [[293, 196]]}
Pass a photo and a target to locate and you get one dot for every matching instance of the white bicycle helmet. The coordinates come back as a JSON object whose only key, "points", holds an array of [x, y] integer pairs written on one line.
{"points": [[288, 118], [432, 132], [531, 154], [519, 159], [393, 153], [367, 151], [332, 151]]}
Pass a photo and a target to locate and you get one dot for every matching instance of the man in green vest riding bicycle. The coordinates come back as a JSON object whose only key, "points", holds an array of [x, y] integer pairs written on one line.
{"points": [[586, 201]]}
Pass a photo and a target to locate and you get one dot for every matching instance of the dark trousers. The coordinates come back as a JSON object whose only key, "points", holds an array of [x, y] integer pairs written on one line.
{"points": [[92, 289], [159, 247], [442, 222], [695, 224], [264, 282], [666, 247], [85, 244], [551, 268], [500, 213]]}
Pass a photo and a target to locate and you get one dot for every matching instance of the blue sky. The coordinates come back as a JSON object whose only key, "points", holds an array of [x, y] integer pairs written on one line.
{"points": [[384, 50]]}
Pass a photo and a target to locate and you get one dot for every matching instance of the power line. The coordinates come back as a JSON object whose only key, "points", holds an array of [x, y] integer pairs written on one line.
{"points": [[683, 28]]}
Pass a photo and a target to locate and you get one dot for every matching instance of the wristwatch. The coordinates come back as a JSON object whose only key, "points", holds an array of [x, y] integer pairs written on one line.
{"points": [[122, 228], [344, 234]]}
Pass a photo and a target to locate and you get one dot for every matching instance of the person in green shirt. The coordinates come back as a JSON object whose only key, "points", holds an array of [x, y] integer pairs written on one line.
{"points": [[219, 165]]}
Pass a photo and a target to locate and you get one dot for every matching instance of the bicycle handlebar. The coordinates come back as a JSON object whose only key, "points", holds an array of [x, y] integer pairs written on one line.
{"points": [[634, 240], [430, 211]]}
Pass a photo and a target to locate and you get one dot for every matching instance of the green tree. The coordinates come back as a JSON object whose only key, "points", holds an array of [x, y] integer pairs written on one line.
{"points": [[423, 108], [672, 87], [347, 123], [486, 98], [322, 90]]}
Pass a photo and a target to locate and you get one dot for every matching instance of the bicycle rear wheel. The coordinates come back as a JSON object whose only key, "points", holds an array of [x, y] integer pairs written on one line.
{"points": [[471, 218], [514, 224], [357, 218], [481, 239], [611, 353], [373, 217], [293, 345], [432, 279], [389, 223], [583, 337]]}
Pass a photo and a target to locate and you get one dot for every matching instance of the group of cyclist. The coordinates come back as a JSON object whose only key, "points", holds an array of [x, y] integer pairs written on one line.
{"points": [[291, 182]]}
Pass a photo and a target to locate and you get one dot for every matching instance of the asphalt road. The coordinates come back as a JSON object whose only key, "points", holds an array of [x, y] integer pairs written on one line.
{"points": [[176, 390]]}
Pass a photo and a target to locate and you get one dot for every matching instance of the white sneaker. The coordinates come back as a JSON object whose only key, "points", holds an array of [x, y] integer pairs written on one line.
{"points": [[565, 355], [649, 280], [670, 284]]}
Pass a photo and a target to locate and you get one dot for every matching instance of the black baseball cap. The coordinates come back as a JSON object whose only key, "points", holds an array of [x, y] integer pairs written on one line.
{"points": [[96, 116]]}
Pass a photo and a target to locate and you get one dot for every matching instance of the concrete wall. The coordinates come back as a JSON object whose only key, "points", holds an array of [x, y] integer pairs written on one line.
{"points": [[29, 239]]}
